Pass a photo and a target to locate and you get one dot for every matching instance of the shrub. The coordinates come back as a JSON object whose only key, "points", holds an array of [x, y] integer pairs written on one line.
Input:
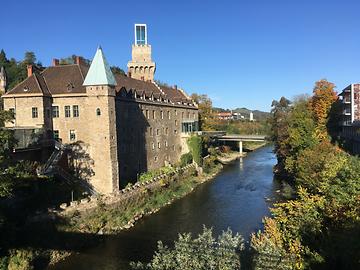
{"points": [[186, 159], [202, 253], [195, 145]]}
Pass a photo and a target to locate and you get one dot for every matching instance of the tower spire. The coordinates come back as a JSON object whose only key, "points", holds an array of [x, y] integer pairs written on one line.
{"points": [[99, 72]]}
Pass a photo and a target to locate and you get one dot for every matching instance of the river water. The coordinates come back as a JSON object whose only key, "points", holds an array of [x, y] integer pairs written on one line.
{"points": [[236, 198]]}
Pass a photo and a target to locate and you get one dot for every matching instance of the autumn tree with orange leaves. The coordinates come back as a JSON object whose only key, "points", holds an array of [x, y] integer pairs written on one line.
{"points": [[323, 98]]}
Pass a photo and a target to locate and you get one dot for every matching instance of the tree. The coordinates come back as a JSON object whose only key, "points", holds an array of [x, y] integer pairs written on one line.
{"points": [[117, 70], [206, 116], [321, 102], [201, 253], [29, 58], [7, 143], [279, 130]]}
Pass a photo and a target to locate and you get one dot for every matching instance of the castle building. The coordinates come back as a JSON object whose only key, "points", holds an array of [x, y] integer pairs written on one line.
{"points": [[116, 126], [2, 81]]}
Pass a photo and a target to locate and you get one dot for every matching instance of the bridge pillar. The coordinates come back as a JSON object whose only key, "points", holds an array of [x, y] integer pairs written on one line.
{"points": [[241, 148]]}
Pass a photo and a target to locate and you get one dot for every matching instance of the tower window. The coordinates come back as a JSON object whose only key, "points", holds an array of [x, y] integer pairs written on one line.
{"points": [[140, 34], [98, 112], [159, 145], [34, 112]]}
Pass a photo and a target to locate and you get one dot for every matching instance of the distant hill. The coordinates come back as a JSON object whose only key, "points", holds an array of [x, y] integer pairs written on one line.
{"points": [[258, 115]]}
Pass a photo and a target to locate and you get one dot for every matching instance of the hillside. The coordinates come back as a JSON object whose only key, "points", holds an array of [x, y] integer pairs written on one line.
{"points": [[258, 115]]}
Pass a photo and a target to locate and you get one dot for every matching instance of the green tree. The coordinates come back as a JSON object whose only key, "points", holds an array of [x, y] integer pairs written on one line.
{"points": [[29, 58], [279, 130], [202, 253]]}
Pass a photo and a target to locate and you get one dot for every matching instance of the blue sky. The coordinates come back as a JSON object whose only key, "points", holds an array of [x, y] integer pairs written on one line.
{"points": [[240, 53]]}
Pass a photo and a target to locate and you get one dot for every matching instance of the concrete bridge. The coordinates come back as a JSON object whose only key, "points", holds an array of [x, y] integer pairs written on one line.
{"points": [[222, 136]]}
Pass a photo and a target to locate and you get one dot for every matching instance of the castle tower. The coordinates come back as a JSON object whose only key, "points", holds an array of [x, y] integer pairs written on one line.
{"points": [[141, 66], [101, 124], [2, 81]]}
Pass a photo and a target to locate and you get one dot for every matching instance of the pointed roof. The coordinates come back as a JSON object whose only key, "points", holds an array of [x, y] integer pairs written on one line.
{"points": [[99, 72]]}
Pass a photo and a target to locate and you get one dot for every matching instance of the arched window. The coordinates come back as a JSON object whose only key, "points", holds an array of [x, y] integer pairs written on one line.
{"points": [[98, 112]]}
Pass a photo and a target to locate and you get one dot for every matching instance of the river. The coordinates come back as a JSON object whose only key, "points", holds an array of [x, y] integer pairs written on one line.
{"points": [[236, 198]]}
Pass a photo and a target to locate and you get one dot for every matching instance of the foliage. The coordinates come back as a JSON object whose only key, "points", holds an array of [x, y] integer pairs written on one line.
{"points": [[269, 250], [206, 116], [117, 70], [201, 253], [316, 227], [321, 102], [186, 159], [149, 175], [317, 166], [16, 71], [279, 129], [195, 145], [21, 260]]}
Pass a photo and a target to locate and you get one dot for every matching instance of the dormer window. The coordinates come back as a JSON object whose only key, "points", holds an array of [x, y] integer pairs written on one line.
{"points": [[70, 87], [26, 89]]}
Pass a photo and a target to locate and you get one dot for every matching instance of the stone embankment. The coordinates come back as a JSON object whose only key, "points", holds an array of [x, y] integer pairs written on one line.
{"points": [[93, 201]]}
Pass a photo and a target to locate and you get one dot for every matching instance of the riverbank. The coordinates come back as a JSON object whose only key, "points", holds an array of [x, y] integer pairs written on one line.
{"points": [[233, 199], [226, 158]]}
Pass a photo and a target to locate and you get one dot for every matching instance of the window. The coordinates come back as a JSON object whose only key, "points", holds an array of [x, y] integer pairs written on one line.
{"points": [[173, 147], [98, 112], [56, 134], [162, 114], [159, 145], [155, 158], [188, 115], [167, 131], [12, 110], [55, 111], [140, 34], [193, 115], [67, 111], [175, 131], [75, 111], [158, 132], [169, 115], [151, 131], [154, 114], [34, 112], [153, 146], [147, 114], [182, 115], [166, 144], [175, 122], [72, 135], [176, 112]]}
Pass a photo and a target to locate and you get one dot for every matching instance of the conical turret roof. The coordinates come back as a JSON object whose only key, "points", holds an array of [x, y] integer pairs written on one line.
{"points": [[99, 72]]}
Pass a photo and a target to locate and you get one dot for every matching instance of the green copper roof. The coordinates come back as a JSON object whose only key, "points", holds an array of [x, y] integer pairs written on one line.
{"points": [[99, 72]]}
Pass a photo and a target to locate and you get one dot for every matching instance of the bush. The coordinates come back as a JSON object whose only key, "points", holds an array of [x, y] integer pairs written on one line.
{"points": [[195, 145], [202, 253], [186, 159]]}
